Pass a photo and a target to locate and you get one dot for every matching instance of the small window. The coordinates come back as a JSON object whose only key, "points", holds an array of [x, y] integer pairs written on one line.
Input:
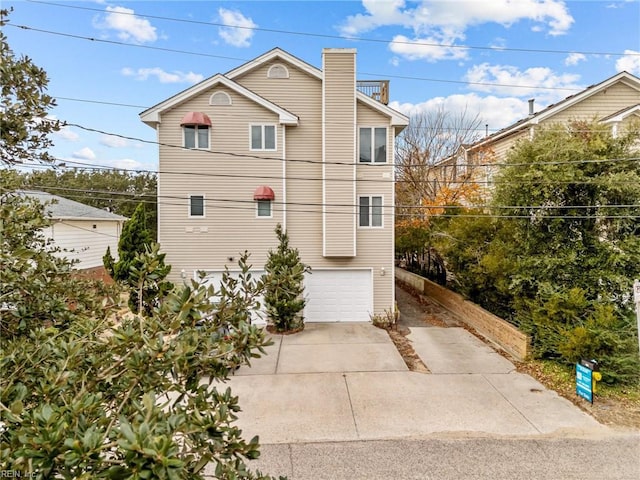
{"points": [[264, 208], [196, 205], [370, 212], [196, 136], [278, 71], [373, 145], [263, 137], [220, 98]]}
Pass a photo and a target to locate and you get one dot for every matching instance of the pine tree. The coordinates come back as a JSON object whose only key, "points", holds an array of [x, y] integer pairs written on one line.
{"points": [[284, 285], [133, 240]]}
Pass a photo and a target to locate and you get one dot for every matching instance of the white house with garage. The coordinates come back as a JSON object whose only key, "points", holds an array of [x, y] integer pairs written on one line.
{"points": [[277, 140], [81, 232]]}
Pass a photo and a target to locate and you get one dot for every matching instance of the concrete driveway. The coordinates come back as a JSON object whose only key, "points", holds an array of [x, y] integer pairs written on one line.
{"points": [[347, 382]]}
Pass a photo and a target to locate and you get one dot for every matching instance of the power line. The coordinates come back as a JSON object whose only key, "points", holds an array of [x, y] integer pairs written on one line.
{"points": [[202, 54], [366, 165], [338, 37], [226, 201], [98, 167]]}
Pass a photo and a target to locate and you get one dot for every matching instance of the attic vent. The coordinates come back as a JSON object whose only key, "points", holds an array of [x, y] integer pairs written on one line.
{"points": [[220, 98], [278, 71]]}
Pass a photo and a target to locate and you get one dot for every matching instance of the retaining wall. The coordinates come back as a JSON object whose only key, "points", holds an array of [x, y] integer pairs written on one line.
{"points": [[494, 328]]}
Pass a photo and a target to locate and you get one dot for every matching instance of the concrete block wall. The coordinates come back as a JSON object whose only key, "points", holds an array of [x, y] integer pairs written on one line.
{"points": [[494, 328]]}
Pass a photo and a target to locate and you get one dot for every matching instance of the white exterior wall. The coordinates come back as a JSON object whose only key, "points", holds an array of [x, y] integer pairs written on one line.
{"points": [[84, 240]]}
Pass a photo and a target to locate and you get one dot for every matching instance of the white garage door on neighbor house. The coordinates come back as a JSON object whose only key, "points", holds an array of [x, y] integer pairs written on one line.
{"points": [[339, 295]]}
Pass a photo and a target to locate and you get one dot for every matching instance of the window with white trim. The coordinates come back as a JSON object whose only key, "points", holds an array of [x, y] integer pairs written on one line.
{"points": [[263, 137], [370, 211], [196, 206], [220, 98], [372, 145], [278, 71], [263, 208], [196, 136]]}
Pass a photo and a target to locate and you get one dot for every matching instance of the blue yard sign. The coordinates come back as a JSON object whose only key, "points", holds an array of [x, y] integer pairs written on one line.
{"points": [[584, 382]]}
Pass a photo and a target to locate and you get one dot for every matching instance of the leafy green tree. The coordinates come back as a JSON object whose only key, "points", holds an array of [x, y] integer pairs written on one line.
{"points": [[134, 243], [24, 106], [284, 285], [111, 396], [561, 265], [36, 287]]}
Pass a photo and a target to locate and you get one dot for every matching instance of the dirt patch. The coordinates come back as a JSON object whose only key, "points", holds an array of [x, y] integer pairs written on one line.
{"points": [[410, 357]]}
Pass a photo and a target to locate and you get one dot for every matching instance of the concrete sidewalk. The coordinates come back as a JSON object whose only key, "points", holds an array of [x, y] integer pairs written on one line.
{"points": [[347, 382]]}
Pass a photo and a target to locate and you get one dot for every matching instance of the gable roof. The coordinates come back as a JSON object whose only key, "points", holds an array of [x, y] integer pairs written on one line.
{"points": [[622, 114], [551, 110], [65, 209], [152, 116]]}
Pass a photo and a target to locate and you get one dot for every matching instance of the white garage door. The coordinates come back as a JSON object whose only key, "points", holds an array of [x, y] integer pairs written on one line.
{"points": [[339, 296]]}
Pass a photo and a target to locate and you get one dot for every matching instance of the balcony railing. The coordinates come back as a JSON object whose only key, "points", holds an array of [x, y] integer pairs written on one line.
{"points": [[376, 89]]}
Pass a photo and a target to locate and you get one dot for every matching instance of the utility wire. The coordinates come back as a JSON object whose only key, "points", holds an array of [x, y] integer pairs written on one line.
{"points": [[366, 165], [338, 37], [227, 201], [202, 54], [98, 167]]}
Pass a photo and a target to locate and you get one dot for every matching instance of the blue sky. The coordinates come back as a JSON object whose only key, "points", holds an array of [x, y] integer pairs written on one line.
{"points": [[522, 49]]}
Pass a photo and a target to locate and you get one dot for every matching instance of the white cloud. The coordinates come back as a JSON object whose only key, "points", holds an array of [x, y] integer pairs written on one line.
{"points": [[540, 82], [429, 49], [493, 111], [113, 141], [126, 164], [574, 59], [630, 62], [163, 77], [67, 134], [84, 154], [238, 37], [128, 26], [446, 22]]}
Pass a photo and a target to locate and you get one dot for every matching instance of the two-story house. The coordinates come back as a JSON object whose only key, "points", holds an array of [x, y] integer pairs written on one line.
{"points": [[278, 140], [614, 102]]}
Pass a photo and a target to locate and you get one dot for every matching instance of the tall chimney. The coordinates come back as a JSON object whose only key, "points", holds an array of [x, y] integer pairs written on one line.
{"points": [[339, 151], [531, 107]]}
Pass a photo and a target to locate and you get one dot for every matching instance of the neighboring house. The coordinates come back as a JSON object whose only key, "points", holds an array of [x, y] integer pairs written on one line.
{"points": [[614, 102], [278, 140], [83, 233]]}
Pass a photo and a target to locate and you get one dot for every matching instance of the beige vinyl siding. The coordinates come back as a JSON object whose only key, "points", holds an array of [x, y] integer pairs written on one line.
{"points": [[230, 225], [83, 242], [339, 146], [598, 105], [229, 231], [301, 94]]}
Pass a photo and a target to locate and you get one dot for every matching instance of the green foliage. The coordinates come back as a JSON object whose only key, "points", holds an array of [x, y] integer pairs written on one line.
{"points": [[563, 272], [147, 280], [136, 252], [37, 287], [284, 285], [24, 107], [104, 396], [134, 239]]}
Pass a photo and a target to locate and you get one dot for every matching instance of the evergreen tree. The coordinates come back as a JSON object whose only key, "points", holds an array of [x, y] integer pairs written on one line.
{"points": [[135, 237], [284, 285]]}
